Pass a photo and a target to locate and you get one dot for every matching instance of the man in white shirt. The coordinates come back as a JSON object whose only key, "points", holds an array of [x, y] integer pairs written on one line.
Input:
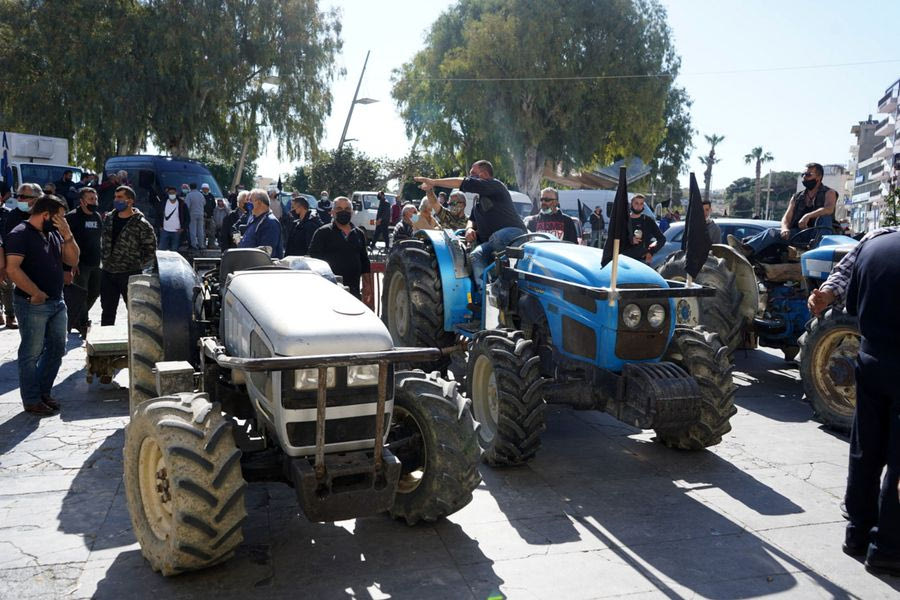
{"points": [[175, 218]]}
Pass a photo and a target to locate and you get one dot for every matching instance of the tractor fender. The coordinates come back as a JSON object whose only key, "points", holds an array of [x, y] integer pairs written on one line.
{"points": [[454, 269], [177, 282], [745, 278]]}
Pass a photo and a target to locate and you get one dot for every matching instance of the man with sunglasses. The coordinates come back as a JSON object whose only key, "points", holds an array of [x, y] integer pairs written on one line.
{"points": [[25, 197], [551, 220]]}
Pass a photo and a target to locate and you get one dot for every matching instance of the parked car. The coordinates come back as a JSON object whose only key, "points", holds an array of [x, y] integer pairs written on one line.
{"points": [[739, 228]]}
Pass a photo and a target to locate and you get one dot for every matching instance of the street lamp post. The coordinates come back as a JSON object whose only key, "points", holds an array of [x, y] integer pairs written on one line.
{"points": [[355, 102]]}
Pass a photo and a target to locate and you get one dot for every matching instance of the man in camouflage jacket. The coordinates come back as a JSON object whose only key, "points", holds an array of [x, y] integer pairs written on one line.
{"points": [[127, 246]]}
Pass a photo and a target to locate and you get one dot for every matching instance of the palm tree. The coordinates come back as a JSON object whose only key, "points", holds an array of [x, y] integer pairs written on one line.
{"points": [[709, 161], [760, 157]]}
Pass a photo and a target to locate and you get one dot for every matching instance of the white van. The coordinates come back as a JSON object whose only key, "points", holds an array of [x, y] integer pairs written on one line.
{"points": [[568, 203], [365, 210], [37, 159]]}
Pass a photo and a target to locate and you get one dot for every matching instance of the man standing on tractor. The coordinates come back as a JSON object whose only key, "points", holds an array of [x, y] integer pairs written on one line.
{"points": [[453, 215], [812, 207], [643, 228], [551, 220], [494, 222]]}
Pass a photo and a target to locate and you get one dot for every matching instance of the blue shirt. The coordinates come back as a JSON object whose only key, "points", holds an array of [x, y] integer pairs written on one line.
{"points": [[264, 230]]}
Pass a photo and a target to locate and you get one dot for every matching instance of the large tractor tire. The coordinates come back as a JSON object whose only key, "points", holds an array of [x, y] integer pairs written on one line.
{"points": [[505, 385], [183, 483], [705, 358], [145, 337], [720, 313], [412, 301], [828, 352], [434, 435]]}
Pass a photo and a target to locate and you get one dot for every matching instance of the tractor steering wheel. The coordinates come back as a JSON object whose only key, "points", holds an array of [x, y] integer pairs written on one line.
{"points": [[800, 239]]}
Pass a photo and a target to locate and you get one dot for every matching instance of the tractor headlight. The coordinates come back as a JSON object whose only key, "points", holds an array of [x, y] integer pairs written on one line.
{"points": [[308, 379], [362, 375], [631, 316], [656, 314]]}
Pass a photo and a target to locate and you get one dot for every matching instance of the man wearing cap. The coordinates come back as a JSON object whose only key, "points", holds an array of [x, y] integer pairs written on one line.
{"points": [[209, 207], [196, 204], [263, 229]]}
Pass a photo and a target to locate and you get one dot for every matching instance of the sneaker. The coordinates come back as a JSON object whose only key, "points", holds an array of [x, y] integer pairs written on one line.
{"points": [[40, 409], [11, 323], [882, 565]]}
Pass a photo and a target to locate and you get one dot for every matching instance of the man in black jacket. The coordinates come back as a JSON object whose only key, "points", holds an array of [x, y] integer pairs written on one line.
{"points": [[302, 229], [232, 220], [382, 223], [87, 228], [642, 228]]}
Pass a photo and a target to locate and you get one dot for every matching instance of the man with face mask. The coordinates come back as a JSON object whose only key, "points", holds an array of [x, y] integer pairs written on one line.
{"points": [[382, 222], [263, 229], [811, 207], [175, 221], [642, 229], [19, 211], [344, 248], [127, 245], [87, 227], [302, 229], [324, 208], [404, 229], [597, 225], [36, 251], [551, 220], [453, 215], [231, 221]]}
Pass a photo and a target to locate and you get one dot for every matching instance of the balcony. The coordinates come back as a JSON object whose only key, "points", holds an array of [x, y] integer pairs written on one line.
{"points": [[883, 149], [888, 102], [885, 128]]}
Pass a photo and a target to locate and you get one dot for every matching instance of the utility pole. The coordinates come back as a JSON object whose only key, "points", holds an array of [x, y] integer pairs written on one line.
{"points": [[768, 192], [352, 104]]}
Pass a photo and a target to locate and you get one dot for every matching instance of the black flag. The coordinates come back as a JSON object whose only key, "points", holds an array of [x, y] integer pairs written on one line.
{"points": [[695, 243], [618, 221], [584, 213], [278, 185]]}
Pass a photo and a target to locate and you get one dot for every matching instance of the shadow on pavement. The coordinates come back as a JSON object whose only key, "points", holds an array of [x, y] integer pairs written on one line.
{"points": [[784, 397], [641, 502], [15, 430]]}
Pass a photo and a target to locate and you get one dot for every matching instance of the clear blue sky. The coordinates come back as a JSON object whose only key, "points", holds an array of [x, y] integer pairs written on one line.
{"points": [[799, 115]]}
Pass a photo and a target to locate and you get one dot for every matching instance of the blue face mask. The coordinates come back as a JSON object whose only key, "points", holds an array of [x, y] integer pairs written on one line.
{"points": [[414, 218], [248, 207], [120, 206], [23, 206]]}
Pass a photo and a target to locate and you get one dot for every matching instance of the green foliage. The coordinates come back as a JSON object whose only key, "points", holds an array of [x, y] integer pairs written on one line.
{"points": [[740, 195], [758, 156], [709, 161], [186, 74], [481, 87], [223, 172], [341, 172], [298, 181], [891, 215]]}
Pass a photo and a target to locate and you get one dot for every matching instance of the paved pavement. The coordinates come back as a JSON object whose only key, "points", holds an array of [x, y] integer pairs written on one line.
{"points": [[602, 512]]}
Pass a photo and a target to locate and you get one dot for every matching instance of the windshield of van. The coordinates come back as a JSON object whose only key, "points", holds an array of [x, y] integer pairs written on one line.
{"points": [[371, 200], [41, 174], [177, 178]]}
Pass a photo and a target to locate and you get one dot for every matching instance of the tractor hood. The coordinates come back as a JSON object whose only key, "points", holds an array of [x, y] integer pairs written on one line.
{"points": [[298, 313], [818, 262], [582, 265]]}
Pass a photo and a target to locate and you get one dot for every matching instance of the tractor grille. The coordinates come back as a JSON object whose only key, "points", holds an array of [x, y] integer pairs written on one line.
{"points": [[351, 429], [642, 342]]}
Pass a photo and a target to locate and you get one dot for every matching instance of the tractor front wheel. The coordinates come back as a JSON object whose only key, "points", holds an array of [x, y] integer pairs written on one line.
{"points": [[505, 385], [828, 352], [705, 358], [434, 435]]}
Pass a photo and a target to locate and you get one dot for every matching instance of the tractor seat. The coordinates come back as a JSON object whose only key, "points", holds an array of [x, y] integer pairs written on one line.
{"points": [[240, 259]]}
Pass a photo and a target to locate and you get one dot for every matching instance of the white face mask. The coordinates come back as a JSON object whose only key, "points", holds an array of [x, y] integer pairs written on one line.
{"points": [[172, 196]]}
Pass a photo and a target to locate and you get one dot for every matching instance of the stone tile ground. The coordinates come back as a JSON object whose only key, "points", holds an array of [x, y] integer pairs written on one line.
{"points": [[602, 512]]}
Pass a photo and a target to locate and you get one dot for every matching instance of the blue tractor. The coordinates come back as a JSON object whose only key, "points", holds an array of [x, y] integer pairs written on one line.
{"points": [[548, 329], [762, 301]]}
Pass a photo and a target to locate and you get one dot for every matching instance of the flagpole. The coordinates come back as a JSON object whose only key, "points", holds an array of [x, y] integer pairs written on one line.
{"points": [[615, 269], [689, 281]]}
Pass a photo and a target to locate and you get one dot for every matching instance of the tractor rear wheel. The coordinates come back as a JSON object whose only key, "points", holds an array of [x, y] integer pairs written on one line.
{"points": [[145, 337], [183, 483], [504, 382], [705, 358], [720, 313], [434, 435], [828, 352], [412, 303]]}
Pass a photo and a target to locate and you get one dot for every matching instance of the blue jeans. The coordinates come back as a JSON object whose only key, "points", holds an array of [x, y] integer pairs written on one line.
{"points": [[42, 328], [483, 255], [197, 230], [169, 240]]}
